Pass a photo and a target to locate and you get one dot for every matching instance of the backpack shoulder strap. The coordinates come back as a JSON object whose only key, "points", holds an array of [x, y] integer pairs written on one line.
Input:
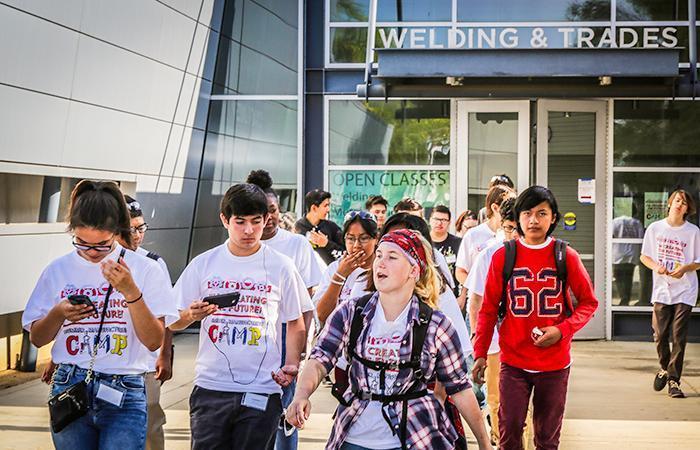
{"points": [[508, 266], [419, 333], [153, 256], [562, 272], [356, 324]]}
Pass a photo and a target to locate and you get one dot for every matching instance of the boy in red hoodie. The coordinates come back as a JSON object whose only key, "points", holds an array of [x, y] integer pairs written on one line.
{"points": [[535, 335]]}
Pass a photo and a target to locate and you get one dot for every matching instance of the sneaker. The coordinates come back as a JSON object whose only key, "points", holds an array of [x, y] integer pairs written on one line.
{"points": [[660, 380], [674, 390]]}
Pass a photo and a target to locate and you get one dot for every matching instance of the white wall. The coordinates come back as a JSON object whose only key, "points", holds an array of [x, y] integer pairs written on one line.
{"points": [[103, 89]]}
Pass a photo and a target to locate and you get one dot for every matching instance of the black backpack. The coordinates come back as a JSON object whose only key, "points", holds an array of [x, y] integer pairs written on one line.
{"points": [[418, 333], [562, 274]]}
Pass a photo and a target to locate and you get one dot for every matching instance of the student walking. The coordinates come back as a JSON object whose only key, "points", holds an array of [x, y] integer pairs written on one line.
{"points": [[671, 249], [160, 363], [395, 340], [324, 235], [299, 250], [242, 292], [105, 308], [378, 206], [539, 321], [444, 241]]}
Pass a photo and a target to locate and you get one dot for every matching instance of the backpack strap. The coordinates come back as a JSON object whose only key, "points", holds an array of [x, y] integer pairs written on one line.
{"points": [[419, 332], [153, 256], [508, 266], [562, 273]]}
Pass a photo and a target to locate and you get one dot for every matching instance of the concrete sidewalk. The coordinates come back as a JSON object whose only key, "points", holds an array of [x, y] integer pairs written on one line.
{"points": [[611, 403]]}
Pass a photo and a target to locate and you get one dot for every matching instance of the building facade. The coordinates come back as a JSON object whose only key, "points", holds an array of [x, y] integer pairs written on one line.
{"points": [[176, 100]]}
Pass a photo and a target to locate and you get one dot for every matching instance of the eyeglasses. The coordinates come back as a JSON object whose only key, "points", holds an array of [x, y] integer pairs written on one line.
{"points": [[362, 214], [365, 238], [97, 248], [440, 220], [140, 229], [508, 228], [503, 179]]}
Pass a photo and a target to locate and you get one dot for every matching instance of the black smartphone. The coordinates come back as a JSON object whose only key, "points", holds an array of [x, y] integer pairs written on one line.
{"points": [[224, 300], [79, 299]]}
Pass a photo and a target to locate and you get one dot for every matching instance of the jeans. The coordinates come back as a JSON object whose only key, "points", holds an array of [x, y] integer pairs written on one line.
{"points": [[548, 391], [219, 421], [284, 442], [349, 446], [105, 426], [155, 436], [670, 324]]}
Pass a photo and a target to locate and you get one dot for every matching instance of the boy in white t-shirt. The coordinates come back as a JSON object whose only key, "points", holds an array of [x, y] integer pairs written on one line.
{"points": [[236, 401], [671, 249]]}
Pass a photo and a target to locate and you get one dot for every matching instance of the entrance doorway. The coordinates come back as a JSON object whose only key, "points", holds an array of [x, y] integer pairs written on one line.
{"points": [[563, 148]]}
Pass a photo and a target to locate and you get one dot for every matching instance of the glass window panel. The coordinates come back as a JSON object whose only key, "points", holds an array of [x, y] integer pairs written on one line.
{"points": [[414, 10], [493, 149], [349, 10], [350, 189], [34, 198], [656, 133], [652, 10], [247, 135], [639, 198], [532, 10], [259, 54], [393, 132], [348, 45]]}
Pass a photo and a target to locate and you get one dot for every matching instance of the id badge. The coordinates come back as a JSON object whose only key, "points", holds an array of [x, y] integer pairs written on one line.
{"points": [[255, 401], [110, 395]]}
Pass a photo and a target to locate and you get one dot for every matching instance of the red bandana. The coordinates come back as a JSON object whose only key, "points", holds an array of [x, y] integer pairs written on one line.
{"points": [[409, 242]]}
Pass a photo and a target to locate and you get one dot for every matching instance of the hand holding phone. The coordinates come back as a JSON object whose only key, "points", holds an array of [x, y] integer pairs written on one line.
{"points": [[536, 333], [223, 300], [79, 299]]}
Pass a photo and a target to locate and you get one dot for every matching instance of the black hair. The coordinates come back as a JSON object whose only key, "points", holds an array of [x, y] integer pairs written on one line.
{"points": [[408, 221], [441, 209], [501, 180], [376, 200], [262, 179], [315, 198], [368, 225], [134, 206], [507, 210], [407, 204], [100, 205], [531, 197], [244, 199]]}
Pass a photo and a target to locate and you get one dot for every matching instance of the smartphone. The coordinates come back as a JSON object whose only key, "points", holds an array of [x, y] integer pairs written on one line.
{"points": [[79, 299], [223, 300], [536, 333]]}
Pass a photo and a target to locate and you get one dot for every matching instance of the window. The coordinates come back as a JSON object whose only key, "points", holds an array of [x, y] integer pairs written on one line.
{"points": [[652, 10], [34, 198], [533, 10]]}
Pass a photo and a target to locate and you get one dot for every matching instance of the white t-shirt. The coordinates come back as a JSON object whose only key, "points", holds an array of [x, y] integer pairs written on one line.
{"points": [[448, 305], [355, 286], [476, 282], [119, 351], [160, 261], [298, 248], [441, 263], [672, 247], [474, 241], [383, 344], [240, 346]]}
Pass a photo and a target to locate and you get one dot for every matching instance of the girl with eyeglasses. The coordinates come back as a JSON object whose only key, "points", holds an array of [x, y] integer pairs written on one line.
{"points": [[105, 308]]}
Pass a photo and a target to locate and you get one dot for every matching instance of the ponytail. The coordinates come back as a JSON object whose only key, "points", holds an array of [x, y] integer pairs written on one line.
{"points": [[100, 205]]}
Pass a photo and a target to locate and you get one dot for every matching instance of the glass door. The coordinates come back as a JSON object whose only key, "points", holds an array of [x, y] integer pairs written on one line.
{"points": [[571, 161], [493, 138]]}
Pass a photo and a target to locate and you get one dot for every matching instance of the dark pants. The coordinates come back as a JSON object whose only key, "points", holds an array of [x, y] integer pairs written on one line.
{"points": [[670, 323], [219, 421], [548, 401], [623, 274]]}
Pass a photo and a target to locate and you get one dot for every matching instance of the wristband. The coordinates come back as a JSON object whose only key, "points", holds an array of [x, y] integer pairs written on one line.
{"points": [[337, 283], [135, 300], [336, 274]]}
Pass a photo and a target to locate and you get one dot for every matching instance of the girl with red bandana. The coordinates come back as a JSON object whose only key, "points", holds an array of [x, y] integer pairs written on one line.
{"points": [[387, 405]]}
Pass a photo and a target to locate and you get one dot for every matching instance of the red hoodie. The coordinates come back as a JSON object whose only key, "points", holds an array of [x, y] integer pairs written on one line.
{"points": [[538, 302]]}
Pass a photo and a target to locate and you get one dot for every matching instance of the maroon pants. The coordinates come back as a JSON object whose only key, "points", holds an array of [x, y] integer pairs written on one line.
{"points": [[548, 401]]}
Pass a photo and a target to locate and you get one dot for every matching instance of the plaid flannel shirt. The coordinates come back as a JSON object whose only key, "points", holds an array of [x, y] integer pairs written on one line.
{"points": [[428, 426]]}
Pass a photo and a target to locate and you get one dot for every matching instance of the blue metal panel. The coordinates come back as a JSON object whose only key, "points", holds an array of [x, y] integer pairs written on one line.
{"points": [[439, 63], [343, 82]]}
